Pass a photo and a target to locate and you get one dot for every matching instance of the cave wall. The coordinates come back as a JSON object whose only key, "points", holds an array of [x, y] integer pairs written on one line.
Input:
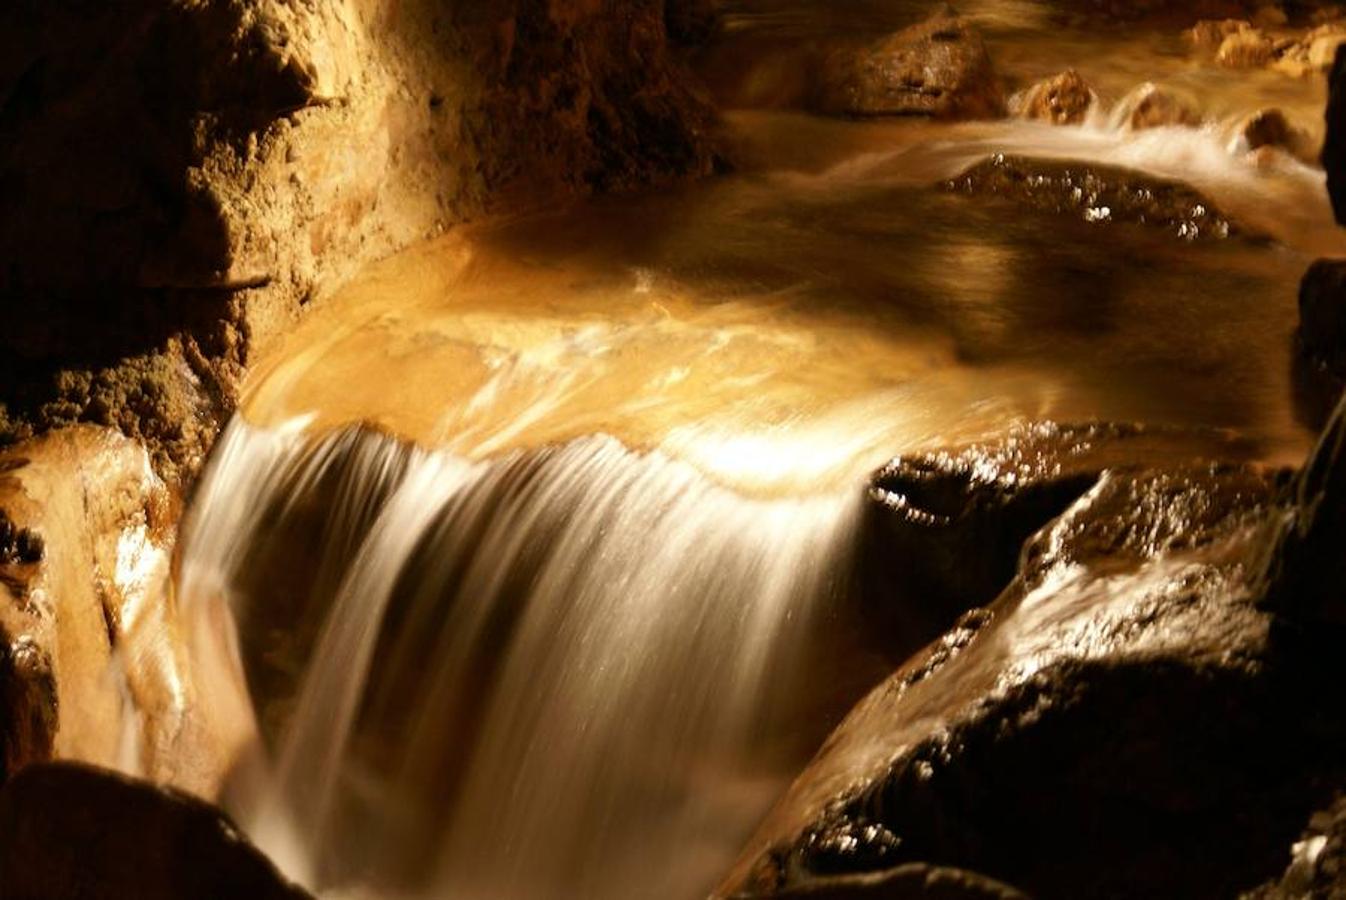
{"points": [[179, 178]]}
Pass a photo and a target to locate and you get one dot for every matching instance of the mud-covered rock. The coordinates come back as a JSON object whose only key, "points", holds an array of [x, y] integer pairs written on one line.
{"points": [[1102, 195], [939, 68], [1064, 99], [74, 833], [1123, 700]]}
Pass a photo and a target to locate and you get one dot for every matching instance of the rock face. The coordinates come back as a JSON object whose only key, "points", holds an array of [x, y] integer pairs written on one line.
{"points": [[939, 68], [1322, 315], [179, 178], [70, 832], [1334, 144], [1062, 100], [1124, 699], [1099, 194], [89, 669]]}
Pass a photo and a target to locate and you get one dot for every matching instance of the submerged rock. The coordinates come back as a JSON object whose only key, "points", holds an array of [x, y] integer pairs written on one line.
{"points": [[1062, 100], [1099, 194], [1123, 700], [75, 833], [939, 68]]}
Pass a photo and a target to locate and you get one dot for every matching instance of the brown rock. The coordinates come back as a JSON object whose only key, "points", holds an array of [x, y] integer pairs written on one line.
{"points": [[76, 833], [1245, 49], [1153, 106], [1208, 34], [1062, 100], [1334, 144], [939, 68]]}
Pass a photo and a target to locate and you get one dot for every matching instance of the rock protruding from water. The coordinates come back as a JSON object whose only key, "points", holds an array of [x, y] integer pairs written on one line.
{"points": [[1155, 106], [1061, 100], [1334, 145], [1322, 315], [70, 832], [1123, 700], [1306, 572], [1098, 194], [939, 68]]}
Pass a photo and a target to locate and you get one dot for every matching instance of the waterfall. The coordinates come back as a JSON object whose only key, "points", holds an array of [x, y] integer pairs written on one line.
{"points": [[578, 671]]}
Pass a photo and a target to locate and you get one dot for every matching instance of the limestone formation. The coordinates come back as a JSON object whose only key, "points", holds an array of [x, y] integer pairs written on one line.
{"points": [[939, 68]]}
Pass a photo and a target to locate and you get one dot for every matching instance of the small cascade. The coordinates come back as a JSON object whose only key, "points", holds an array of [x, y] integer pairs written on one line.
{"points": [[578, 671]]}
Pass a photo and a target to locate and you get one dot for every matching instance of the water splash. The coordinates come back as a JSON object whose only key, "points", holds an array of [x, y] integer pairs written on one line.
{"points": [[570, 672]]}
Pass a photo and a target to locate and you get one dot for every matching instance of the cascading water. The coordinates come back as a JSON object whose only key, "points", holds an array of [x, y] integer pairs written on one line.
{"points": [[563, 673]]}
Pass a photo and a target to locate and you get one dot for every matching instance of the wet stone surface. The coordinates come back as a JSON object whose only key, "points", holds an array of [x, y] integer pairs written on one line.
{"points": [[1101, 195], [1123, 699]]}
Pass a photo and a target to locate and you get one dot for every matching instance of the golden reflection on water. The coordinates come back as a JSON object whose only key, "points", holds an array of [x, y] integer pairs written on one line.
{"points": [[454, 346]]}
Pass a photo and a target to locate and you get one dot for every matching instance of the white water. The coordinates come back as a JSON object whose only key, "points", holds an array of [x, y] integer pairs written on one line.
{"points": [[566, 673]]}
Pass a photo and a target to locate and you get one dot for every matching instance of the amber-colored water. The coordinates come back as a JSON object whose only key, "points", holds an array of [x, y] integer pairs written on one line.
{"points": [[642, 427]]}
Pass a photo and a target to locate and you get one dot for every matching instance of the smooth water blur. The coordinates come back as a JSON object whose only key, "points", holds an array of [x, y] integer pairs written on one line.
{"points": [[575, 637]]}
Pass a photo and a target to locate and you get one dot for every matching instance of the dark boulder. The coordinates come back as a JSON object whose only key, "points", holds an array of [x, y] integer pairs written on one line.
{"points": [[939, 68], [1306, 572], [1334, 145], [1099, 194], [1122, 722], [72, 832], [1322, 315]]}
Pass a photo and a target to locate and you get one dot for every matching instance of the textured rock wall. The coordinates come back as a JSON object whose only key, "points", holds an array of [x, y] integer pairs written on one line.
{"points": [[179, 177]]}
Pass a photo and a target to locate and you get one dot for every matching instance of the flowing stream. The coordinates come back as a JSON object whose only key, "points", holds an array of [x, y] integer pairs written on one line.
{"points": [[526, 571]]}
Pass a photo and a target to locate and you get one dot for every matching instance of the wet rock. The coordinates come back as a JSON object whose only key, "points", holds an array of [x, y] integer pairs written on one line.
{"points": [[1062, 100], [1270, 128], [939, 68], [1123, 700], [1317, 868], [1246, 49], [1103, 195], [1306, 571], [1153, 106], [914, 881], [1209, 34], [1334, 144], [86, 628], [943, 531], [71, 832]]}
